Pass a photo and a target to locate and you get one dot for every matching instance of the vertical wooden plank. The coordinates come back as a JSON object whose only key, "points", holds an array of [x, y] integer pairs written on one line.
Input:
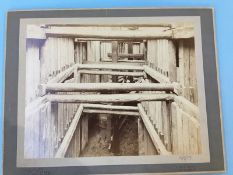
{"points": [[193, 76], [199, 141], [181, 63], [167, 124], [141, 147], [186, 70], [172, 61], [84, 123], [185, 135], [180, 131], [174, 129]]}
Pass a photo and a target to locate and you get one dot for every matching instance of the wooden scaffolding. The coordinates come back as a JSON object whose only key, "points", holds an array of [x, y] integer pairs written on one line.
{"points": [[76, 70]]}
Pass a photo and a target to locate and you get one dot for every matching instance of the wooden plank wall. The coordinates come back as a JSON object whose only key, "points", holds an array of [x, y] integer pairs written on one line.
{"points": [[179, 131], [186, 72], [46, 126], [185, 127], [186, 138], [160, 57], [105, 48], [57, 54], [32, 66], [84, 52]]}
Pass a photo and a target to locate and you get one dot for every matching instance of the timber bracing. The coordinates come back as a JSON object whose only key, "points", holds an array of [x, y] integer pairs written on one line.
{"points": [[164, 99]]}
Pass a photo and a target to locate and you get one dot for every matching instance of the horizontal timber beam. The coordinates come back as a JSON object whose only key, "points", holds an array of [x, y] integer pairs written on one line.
{"points": [[183, 32], [107, 40], [115, 112], [119, 62], [110, 66], [69, 134], [63, 75], [98, 87], [156, 75], [111, 107], [125, 61], [112, 25], [160, 147], [109, 98], [100, 72], [109, 33], [128, 55]]}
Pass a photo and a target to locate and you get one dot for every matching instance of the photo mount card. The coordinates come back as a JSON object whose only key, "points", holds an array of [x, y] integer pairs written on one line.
{"points": [[112, 91]]}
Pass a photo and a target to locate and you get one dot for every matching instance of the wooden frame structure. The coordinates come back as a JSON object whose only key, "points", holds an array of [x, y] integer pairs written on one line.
{"points": [[165, 106], [131, 111]]}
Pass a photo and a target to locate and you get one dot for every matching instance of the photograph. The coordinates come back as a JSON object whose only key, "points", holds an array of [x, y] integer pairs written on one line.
{"points": [[112, 89]]}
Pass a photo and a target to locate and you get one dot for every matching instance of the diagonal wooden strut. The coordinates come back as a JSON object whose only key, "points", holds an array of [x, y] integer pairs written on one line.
{"points": [[153, 134], [69, 134]]}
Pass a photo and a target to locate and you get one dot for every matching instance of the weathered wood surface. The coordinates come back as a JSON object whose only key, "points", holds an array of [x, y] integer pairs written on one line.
{"points": [[183, 32], [126, 62], [156, 75], [114, 112], [185, 132], [107, 39], [186, 74], [134, 56], [187, 106], [110, 66], [120, 62], [33, 69], [97, 87], [69, 134], [113, 98], [35, 105], [63, 75], [120, 24], [100, 72], [116, 107], [153, 134], [108, 33]]}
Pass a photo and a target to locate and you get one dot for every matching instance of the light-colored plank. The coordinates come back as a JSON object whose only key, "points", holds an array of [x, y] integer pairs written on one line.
{"points": [[100, 106], [115, 112], [153, 134], [156, 75], [69, 134], [63, 75], [110, 98], [187, 106], [183, 32], [108, 33], [35, 105], [97, 87], [128, 55], [100, 72], [110, 66]]}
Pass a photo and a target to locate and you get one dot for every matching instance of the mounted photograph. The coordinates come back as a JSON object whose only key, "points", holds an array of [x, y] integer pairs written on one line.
{"points": [[128, 88], [112, 91]]}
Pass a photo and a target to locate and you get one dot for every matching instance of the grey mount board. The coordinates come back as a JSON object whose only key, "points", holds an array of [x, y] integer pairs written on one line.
{"points": [[216, 163]]}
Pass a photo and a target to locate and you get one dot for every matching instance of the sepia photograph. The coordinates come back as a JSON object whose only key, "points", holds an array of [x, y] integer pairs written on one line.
{"points": [[113, 88], [112, 91]]}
